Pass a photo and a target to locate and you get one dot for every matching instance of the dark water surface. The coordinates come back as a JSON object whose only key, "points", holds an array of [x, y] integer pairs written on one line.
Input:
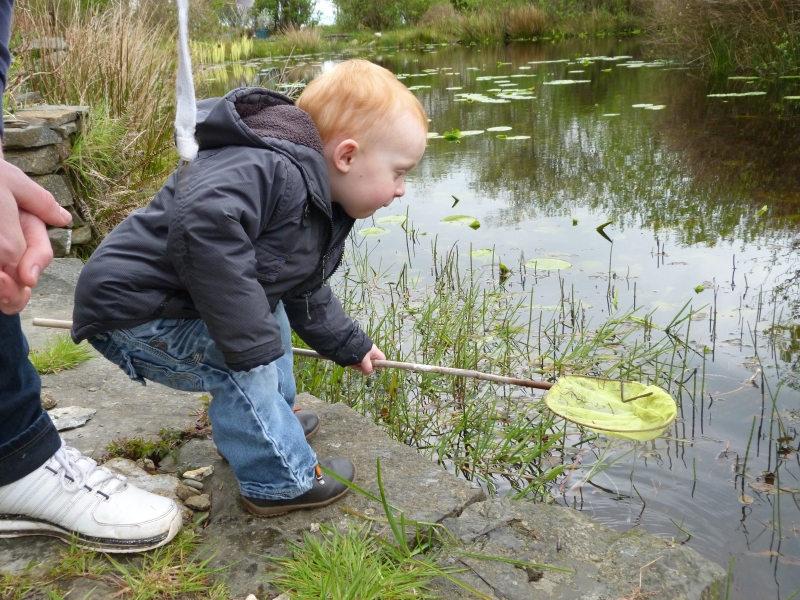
{"points": [[684, 186]]}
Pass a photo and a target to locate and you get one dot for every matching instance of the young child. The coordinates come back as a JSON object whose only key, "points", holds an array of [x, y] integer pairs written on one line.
{"points": [[198, 290]]}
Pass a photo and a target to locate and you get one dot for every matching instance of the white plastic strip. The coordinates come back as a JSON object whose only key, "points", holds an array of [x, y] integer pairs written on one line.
{"points": [[185, 116]]}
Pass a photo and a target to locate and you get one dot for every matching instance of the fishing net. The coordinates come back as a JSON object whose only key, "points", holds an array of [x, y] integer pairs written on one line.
{"points": [[624, 409]]}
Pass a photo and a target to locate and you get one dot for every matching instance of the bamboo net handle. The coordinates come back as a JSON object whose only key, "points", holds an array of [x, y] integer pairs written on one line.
{"points": [[386, 364]]}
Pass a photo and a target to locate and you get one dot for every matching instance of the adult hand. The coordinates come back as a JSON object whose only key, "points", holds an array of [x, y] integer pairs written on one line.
{"points": [[366, 364], [25, 249]]}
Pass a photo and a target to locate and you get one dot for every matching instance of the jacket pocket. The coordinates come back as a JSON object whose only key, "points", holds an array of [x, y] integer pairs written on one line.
{"points": [[269, 262]]}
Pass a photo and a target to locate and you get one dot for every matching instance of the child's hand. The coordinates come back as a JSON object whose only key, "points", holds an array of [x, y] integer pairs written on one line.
{"points": [[366, 365]]}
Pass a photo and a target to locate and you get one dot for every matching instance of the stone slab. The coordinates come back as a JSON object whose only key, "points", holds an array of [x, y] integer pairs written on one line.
{"points": [[424, 490], [81, 235], [53, 114], [604, 562], [60, 240], [57, 185], [36, 162], [32, 136], [70, 417]]}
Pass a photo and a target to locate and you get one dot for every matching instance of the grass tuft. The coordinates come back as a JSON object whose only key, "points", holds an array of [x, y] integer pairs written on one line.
{"points": [[354, 564], [60, 354]]}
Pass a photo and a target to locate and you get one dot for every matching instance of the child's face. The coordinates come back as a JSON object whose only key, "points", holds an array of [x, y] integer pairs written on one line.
{"points": [[368, 174]]}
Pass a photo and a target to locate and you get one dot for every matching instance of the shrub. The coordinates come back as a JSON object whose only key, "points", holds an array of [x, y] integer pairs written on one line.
{"points": [[480, 27], [525, 22], [304, 39], [731, 34]]}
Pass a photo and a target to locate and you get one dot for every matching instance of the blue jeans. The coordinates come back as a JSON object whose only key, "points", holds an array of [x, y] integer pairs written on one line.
{"points": [[28, 437], [250, 411]]}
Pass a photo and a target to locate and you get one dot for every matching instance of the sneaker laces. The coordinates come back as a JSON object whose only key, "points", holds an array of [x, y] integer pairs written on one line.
{"points": [[79, 471]]}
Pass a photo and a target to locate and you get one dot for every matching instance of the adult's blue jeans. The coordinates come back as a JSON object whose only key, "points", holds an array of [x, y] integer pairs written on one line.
{"points": [[250, 411], [28, 437]]}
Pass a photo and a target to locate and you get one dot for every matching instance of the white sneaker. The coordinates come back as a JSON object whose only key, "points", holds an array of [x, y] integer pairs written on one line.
{"points": [[70, 497]]}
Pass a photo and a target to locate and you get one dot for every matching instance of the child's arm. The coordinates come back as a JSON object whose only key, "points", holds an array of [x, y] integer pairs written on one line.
{"points": [[322, 323], [217, 214]]}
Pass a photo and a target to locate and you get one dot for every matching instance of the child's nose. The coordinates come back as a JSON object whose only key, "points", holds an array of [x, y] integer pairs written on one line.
{"points": [[401, 190]]}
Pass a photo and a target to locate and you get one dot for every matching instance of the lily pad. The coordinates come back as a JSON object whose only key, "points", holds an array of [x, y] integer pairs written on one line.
{"points": [[791, 97], [737, 95], [744, 77], [471, 132], [432, 135], [499, 128], [463, 220], [481, 253], [655, 107], [611, 114], [419, 87], [566, 81], [373, 231], [396, 219], [455, 88], [547, 264], [513, 137]]}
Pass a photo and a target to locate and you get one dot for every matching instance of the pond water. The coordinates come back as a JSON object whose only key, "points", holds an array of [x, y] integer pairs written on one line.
{"points": [[701, 192]]}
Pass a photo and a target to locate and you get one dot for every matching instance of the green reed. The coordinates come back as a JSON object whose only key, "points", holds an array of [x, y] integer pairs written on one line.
{"points": [[496, 434]]}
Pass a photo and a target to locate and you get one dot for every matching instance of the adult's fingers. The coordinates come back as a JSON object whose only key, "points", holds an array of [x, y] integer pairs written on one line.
{"points": [[32, 197], [12, 242], [13, 296], [38, 251]]}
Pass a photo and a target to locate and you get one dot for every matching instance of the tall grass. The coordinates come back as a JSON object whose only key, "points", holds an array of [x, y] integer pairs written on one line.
{"points": [[499, 435], [121, 66], [731, 35], [304, 39]]}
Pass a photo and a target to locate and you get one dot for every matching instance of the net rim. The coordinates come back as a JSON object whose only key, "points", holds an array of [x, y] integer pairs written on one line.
{"points": [[583, 423]]}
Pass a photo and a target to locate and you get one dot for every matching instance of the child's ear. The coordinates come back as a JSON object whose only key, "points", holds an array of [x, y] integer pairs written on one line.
{"points": [[344, 154]]}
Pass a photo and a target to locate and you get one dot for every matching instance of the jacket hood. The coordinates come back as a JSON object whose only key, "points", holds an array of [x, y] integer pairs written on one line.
{"points": [[261, 118]]}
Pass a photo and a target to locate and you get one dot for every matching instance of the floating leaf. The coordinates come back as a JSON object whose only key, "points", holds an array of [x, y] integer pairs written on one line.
{"points": [[791, 97], [737, 95], [499, 128], [574, 222], [481, 253], [611, 115], [641, 105], [455, 201], [601, 230], [454, 134], [455, 88], [655, 107], [699, 288], [373, 231], [471, 132], [547, 264], [762, 487], [761, 211], [566, 81], [463, 220], [513, 137], [745, 77], [547, 307], [745, 499], [432, 135], [419, 87], [396, 219]]}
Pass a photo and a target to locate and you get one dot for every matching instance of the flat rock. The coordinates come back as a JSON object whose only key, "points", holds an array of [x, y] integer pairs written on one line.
{"points": [[424, 490], [602, 562], [38, 161], [199, 503], [56, 185], [70, 417], [32, 136], [81, 235], [53, 114], [60, 241]]}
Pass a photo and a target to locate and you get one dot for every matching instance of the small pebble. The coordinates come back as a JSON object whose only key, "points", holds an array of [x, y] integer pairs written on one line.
{"points": [[48, 401], [251, 597], [193, 484], [199, 503], [185, 492], [199, 474]]}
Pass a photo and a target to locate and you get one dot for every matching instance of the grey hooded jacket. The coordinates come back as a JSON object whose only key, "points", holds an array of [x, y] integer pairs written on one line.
{"points": [[247, 224]]}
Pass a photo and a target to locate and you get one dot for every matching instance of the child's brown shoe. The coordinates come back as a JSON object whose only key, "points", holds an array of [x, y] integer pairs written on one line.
{"points": [[325, 490]]}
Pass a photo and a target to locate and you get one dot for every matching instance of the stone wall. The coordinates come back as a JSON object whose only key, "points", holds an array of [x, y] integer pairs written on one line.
{"points": [[37, 140]]}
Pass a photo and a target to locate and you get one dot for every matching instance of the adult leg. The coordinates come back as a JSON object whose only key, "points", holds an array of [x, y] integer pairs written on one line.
{"points": [[28, 437], [50, 489]]}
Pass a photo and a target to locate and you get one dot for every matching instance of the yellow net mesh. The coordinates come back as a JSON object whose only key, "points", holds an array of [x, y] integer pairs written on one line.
{"points": [[624, 409]]}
